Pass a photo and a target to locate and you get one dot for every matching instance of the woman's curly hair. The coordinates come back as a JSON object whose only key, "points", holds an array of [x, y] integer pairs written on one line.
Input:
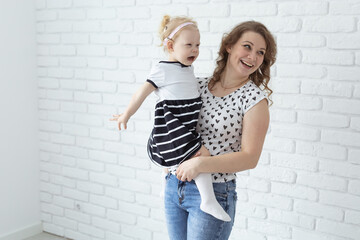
{"points": [[261, 76]]}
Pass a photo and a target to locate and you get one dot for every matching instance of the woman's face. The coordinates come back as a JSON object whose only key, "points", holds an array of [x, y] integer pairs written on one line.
{"points": [[247, 54]]}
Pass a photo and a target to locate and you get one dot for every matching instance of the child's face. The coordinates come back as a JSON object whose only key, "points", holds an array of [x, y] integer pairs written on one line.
{"points": [[186, 46]]}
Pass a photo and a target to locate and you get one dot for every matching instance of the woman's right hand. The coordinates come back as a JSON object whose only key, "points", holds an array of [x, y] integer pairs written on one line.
{"points": [[121, 119]]}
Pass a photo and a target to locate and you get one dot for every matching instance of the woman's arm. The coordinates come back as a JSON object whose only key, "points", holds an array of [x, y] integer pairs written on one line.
{"points": [[137, 99], [255, 125]]}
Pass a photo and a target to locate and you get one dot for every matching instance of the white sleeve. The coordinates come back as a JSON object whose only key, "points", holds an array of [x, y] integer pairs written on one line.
{"points": [[156, 76]]}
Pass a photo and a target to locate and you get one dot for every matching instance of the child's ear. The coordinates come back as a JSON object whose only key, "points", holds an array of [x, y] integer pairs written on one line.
{"points": [[170, 46]]}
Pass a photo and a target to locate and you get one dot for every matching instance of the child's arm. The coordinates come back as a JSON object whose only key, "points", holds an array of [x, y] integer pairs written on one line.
{"points": [[135, 102]]}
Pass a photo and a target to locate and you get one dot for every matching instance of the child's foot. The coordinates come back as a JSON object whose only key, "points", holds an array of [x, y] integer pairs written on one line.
{"points": [[214, 209]]}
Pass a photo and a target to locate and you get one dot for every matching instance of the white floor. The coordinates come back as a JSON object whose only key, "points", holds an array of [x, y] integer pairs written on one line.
{"points": [[45, 236]]}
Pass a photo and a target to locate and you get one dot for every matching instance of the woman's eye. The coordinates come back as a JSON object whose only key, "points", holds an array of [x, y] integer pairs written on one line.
{"points": [[247, 46], [262, 53]]}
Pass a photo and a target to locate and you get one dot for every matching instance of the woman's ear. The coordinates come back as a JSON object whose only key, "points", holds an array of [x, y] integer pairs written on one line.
{"points": [[228, 49]]}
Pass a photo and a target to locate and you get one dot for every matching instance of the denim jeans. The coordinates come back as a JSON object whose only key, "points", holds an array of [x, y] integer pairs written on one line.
{"points": [[185, 220]]}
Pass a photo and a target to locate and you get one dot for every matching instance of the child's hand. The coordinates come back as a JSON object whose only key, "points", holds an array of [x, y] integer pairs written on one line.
{"points": [[121, 119], [202, 152]]}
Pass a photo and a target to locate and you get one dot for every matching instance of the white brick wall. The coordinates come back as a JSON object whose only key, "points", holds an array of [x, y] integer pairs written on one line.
{"points": [[97, 183]]}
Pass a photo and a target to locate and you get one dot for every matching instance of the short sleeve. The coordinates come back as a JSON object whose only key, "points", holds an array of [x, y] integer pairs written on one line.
{"points": [[202, 83], [253, 96], [156, 76]]}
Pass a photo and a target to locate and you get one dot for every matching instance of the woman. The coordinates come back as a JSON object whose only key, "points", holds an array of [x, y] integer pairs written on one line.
{"points": [[233, 123]]}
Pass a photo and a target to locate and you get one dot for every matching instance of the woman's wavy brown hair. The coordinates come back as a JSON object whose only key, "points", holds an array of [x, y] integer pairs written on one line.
{"points": [[261, 76]]}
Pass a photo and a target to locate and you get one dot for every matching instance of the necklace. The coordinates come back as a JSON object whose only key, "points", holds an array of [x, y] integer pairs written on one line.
{"points": [[235, 86]]}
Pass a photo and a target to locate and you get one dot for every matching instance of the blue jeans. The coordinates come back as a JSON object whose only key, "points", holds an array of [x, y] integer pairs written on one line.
{"points": [[185, 220]]}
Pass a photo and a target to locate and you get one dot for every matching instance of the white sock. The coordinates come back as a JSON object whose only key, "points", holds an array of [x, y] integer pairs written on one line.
{"points": [[209, 204]]}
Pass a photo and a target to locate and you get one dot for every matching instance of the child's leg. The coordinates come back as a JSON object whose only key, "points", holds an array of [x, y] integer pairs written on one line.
{"points": [[209, 204]]}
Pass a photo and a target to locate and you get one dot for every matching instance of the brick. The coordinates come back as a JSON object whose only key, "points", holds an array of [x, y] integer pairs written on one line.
{"points": [[344, 41], [342, 169], [357, 91], [96, 13], [294, 161], [76, 235], [74, 38], [296, 191], [329, 151], [352, 217], [103, 201], [102, 63], [210, 10], [117, 26], [120, 216], [108, 38], [342, 105], [58, 27], [87, 26], [302, 133], [103, 156], [122, 195], [338, 229], [91, 230], [75, 173], [286, 55], [347, 73], [318, 210], [78, 216], [300, 71], [270, 200], [329, 24], [279, 144], [106, 224], [300, 40], [323, 119], [48, 227], [322, 181], [104, 178], [74, 129], [344, 8], [341, 137], [74, 151], [73, 62], [303, 8], [63, 139], [290, 218], [327, 57], [340, 200], [134, 209], [72, 14], [327, 88], [121, 51], [73, 107], [280, 115], [90, 50], [354, 156], [133, 13], [64, 222], [354, 187], [134, 185], [269, 228], [50, 208], [253, 9]]}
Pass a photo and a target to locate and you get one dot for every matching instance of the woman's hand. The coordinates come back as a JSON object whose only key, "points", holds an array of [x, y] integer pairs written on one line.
{"points": [[189, 169]]}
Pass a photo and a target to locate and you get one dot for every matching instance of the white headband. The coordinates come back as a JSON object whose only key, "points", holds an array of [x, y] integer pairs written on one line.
{"points": [[175, 31]]}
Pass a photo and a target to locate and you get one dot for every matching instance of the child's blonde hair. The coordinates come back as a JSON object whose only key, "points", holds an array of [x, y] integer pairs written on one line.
{"points": [[168, 24]]}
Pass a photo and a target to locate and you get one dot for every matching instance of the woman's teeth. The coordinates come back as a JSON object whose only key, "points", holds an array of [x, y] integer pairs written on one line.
{"points": [[247, 64]]}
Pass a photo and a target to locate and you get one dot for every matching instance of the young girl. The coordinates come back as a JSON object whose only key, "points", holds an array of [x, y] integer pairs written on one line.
{"points": [[173, 138]]}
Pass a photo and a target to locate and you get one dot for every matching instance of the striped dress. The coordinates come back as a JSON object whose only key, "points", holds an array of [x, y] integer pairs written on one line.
{"points": [[174, 138]]}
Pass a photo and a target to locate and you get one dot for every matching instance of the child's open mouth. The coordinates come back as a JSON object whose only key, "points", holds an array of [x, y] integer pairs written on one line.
{"points": [[191, 59]]}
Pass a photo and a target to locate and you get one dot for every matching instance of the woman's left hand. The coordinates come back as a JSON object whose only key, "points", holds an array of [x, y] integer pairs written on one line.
{"points": [[188, 170]]}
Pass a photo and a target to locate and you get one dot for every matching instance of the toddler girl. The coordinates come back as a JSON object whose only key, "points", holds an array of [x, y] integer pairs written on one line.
{"points": [[173, 138]]}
